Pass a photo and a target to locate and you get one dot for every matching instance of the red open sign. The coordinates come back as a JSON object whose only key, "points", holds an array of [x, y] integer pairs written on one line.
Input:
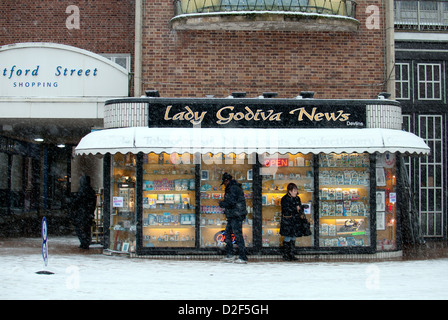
{"points": [[278, 162]]}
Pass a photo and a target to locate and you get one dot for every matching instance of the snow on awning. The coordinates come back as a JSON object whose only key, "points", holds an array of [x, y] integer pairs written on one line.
{"points": [[238, 140]]}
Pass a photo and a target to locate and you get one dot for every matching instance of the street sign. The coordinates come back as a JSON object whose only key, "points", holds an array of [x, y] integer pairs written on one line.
{"points": [[44, 246], [44, 241]]}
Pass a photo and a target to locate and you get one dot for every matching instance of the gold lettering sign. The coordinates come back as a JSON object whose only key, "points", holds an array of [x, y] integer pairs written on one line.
{"points": [[248, 115], [319, 116], [194, 117], [229, 114]]}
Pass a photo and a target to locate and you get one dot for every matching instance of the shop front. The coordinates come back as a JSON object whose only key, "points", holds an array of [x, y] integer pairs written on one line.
{"points": [[162, 174]]}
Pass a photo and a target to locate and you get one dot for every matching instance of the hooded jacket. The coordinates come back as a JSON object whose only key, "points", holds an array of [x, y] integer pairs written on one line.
{"points": [[234, 202]]}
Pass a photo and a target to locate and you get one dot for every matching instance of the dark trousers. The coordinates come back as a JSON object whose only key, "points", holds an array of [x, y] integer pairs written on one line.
{"points": [[235, 226], [84, 236]]}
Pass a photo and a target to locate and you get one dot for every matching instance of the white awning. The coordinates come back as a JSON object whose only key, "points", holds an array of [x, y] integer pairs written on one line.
{"points": [[237, 140]]}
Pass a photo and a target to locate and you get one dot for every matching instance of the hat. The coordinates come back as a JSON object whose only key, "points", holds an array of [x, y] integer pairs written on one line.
{"points": [[225, 177]]}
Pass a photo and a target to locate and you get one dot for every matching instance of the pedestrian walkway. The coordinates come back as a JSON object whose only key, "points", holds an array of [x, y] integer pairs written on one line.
{"points": [[64, 245], [68, 245]]}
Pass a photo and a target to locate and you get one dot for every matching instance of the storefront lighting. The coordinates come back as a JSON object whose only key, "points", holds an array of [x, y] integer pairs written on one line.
{"points": [[61, 145], [38, 139]]}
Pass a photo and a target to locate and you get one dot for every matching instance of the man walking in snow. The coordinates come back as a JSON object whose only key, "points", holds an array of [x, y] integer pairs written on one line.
{"points": [[234, 204], [83, 209]]}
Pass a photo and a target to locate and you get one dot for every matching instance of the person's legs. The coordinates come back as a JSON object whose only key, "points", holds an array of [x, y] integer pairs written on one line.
{"points": [[292, 245], [237, 226], [285, 248], [85, 237], [228, 238]]}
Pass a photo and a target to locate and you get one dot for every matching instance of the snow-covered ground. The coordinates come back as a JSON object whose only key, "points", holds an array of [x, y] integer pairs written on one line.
{"points": [[97, 276]]}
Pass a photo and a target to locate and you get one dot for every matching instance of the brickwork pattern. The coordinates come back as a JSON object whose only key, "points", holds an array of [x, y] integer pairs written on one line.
{"points": [[199, 63], [106, 26]]}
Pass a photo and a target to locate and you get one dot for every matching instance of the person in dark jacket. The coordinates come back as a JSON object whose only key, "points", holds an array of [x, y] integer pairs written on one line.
{"points": [[234, 205], [292, 214], [84, 205]]}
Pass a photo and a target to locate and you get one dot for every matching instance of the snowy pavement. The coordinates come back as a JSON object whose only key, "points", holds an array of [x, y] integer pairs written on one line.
{"points": [[90, 276]]}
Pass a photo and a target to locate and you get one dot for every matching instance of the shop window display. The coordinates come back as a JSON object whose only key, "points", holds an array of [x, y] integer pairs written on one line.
{"points": [[277, 171], [344, 207], [123, 218], [212, 217], [181, 195], [386, 199], [168, 200]]}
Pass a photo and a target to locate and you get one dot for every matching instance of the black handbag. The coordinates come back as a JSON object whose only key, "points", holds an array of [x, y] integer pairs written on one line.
{"points": [[303, 227], [306, 228]]}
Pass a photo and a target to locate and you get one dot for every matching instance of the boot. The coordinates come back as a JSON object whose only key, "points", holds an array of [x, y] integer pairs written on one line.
{"points": [[291, 251], [285, 251]]}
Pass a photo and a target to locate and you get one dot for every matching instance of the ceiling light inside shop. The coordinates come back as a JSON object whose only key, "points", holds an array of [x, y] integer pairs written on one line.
{"points": [[38, 139], [61, 145]]}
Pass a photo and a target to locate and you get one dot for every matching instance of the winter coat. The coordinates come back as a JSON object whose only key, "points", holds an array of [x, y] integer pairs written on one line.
{"points": [[234, 202], [291, 220], [83, 205]]}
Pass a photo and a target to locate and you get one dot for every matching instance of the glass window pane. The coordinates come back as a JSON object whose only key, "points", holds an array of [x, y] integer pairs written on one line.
{"points": [[123, 219], [212, 218], [405, 72], [168, 200], [344, 212], [405, 91], [422, 90], [436, 71], [277, 172]]}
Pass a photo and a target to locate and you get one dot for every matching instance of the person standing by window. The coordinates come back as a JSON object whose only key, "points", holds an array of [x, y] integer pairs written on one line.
{"points": [[290, 224], [234, 205]]}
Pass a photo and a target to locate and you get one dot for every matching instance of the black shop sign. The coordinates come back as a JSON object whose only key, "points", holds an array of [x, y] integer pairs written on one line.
{"points": [[257, 113]]}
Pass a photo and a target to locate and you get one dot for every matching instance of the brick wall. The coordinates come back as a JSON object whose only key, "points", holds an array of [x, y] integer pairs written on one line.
{"points": [[106, 26], [196, 63]]}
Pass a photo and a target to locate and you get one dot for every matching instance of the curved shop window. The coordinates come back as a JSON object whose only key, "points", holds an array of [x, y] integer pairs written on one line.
{"points": [[123, 213], [344, 193]]}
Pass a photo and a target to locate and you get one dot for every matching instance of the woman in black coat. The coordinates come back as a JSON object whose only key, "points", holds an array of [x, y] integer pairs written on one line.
{"points": [[291, 220]]}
